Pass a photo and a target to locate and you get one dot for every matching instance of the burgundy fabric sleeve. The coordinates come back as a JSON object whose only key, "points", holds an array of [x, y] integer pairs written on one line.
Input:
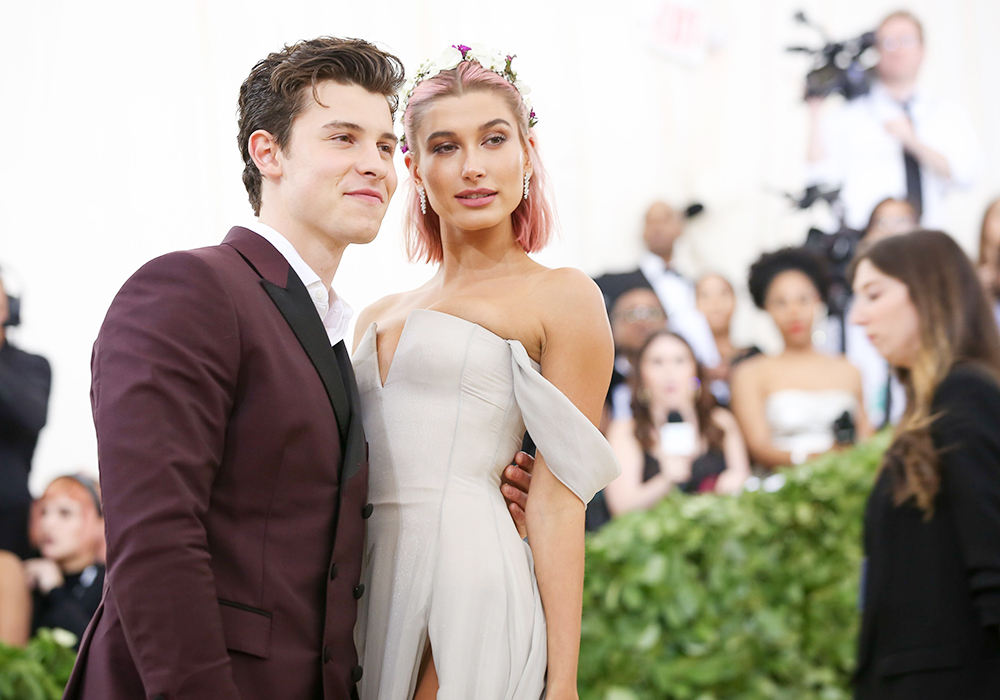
{"points": [[165, 367]]}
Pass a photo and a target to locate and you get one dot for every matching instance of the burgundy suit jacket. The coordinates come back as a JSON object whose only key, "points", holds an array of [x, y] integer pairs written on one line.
{"points": [[234, 473]]}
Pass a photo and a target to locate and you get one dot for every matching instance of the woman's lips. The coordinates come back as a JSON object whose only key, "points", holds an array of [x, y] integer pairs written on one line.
{"points": [[476, 198]]}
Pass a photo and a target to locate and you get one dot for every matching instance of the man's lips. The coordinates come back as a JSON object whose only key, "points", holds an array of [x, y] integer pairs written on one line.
{"points": [[368, 195], [476, 198]]}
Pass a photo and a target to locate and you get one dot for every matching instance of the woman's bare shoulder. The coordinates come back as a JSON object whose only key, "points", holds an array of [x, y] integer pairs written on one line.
{"points": [[724, 418], [569, 292]]}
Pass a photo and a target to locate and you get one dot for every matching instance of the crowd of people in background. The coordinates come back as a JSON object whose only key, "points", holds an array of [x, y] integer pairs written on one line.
{"points": [[52, 548]]}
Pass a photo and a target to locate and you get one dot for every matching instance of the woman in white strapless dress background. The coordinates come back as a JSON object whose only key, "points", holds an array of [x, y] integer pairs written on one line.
{"points": [[456, 605], [788, 404]]}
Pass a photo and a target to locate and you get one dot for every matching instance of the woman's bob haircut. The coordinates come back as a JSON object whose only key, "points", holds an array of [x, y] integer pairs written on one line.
{"points": [[533, 219]]}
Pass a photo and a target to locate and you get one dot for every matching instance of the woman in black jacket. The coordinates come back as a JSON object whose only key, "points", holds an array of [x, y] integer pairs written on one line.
{"points": [[931, 585]]}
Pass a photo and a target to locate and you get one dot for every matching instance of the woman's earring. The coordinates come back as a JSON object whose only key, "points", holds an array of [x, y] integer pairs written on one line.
{"points": [[423, 199], [527, 183], [696, 385], [644, 396]]}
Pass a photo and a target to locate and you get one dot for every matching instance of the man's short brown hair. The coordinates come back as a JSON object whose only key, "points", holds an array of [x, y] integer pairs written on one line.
{"points": [[275, 91]]}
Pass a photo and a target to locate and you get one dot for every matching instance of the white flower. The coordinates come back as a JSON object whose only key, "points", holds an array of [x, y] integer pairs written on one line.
{"points": [[448, 59], [64, 638], [522, 88]]}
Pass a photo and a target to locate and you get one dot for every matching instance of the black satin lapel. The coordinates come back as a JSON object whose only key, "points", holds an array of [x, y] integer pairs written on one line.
{"points": [[354, 453], [300, 313]]}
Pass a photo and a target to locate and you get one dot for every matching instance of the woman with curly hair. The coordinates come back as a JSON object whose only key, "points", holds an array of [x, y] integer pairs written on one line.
{"points": [[931, 592], [801, 402]]}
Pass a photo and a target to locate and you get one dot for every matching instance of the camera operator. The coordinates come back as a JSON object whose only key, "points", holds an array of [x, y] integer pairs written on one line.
{"points": [[24, 400], [894, 141]]}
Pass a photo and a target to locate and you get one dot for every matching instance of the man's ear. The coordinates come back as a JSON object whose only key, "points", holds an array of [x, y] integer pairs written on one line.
{"points": [[265, 153]]}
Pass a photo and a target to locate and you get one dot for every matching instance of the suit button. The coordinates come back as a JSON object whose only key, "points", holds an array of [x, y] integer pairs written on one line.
{"points": [[357, 673], [333, 571], [359, 591], [327, 655], [366, 512]]}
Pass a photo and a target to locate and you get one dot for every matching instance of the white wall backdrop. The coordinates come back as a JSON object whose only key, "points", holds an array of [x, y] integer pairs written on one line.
{"points": [[118, 128]]}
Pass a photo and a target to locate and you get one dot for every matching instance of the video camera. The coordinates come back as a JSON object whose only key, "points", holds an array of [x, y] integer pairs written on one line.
{"points": [[841, 67], [836, 248]]}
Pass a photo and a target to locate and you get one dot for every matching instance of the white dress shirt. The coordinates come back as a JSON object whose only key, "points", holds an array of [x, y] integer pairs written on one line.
{"points": [[676, 295], [867, 162], [333, 311]]}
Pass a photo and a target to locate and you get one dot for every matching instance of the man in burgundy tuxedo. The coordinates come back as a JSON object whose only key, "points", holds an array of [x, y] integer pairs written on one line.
{"points": [[232, 456]]}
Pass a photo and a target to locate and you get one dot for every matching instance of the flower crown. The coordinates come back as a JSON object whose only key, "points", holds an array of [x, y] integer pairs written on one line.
{"points": [[493, 60]]}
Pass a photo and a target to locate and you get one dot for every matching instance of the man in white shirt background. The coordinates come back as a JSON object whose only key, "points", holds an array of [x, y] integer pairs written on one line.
{"points": [[663, 225], [896, 141]]}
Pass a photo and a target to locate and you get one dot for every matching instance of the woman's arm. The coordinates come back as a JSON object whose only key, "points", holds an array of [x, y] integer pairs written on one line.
{"points": [[748, 400], [628, 492], [577, 357], [735, 451]]}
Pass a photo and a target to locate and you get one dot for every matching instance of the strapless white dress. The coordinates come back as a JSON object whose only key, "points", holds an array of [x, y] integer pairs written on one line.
{"points": [[803, 420], [444, 561]]}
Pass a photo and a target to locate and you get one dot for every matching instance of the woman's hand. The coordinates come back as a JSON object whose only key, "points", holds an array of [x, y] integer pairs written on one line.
{"points": [[43, 575], [676, 468]]}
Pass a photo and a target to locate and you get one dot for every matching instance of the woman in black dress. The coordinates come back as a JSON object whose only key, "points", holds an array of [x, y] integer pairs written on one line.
{"points": [[931, 587]]}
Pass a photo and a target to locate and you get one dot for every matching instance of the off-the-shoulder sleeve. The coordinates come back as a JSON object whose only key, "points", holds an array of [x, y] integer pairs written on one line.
{"points": [[574, 449]]}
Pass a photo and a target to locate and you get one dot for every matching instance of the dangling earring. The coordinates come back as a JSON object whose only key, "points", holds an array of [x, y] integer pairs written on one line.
{"points": [[423, 199], [644, 395], [696, 385], [527, 183]]}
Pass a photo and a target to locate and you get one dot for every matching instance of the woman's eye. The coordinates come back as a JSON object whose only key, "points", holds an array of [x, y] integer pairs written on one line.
{"points": [[496, 139], [444, 148]]}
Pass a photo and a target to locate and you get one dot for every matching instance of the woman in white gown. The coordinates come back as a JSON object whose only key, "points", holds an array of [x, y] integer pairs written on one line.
{"points": [[789, 405], [456, 605]]}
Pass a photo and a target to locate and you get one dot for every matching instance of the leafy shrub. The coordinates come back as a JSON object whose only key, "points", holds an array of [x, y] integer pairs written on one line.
{"points": [[708, 597], [40, 670]]}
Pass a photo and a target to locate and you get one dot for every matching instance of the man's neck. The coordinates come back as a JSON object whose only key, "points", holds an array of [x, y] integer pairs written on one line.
{"points": [[319, 253], [900, 90]]}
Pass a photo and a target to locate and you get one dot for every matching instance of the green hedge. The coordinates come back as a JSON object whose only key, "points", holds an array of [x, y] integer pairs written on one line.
{"points": [[40, 670], [710, 597]]}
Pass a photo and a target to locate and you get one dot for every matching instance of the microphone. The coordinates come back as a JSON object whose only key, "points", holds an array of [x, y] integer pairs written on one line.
{"points": [[693, 210], [674, 417]]}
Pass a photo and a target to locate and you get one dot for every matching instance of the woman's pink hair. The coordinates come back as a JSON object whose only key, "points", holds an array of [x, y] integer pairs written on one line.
{"points": [[533, 219]]}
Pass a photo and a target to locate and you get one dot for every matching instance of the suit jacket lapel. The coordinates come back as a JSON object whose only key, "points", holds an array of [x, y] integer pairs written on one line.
{"points": [[295, 305], [355, 453]]}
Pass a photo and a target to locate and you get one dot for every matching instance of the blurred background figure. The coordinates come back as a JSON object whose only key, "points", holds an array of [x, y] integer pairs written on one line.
{"points": [[635, 316], [15, 603], [930, 591], [989, 255], [896, 140], [890, 217], [67, 580], [663, 225], [801, 402], [885, 398], [25, 381], [716, 300], [678, 437]]}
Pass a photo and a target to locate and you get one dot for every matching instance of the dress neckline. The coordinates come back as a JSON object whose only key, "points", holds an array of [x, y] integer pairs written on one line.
{"points": [[404, 335]]}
